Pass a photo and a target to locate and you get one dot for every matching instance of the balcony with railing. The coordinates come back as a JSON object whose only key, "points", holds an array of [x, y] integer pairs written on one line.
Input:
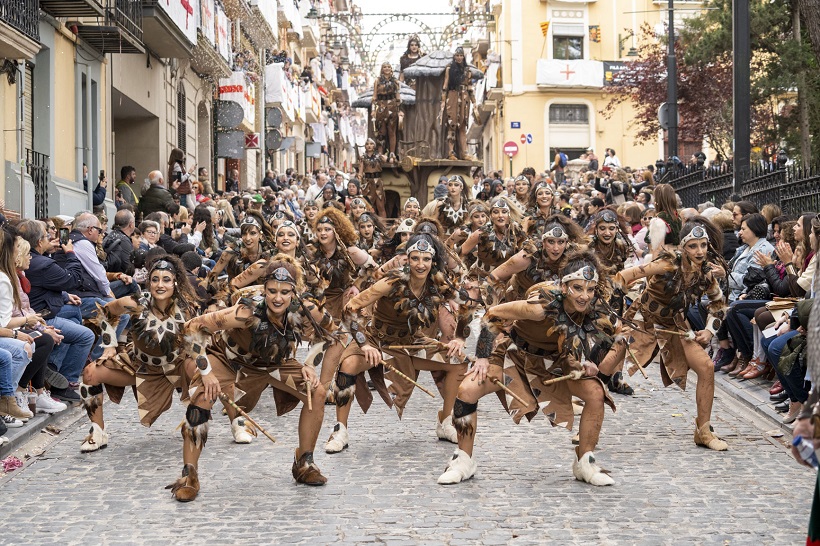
{"points": [[73, 9], [120, 31], [19, 28]]}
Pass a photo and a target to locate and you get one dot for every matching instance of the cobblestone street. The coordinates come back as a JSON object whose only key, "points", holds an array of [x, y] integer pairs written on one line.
{"points": [[383, 489]]}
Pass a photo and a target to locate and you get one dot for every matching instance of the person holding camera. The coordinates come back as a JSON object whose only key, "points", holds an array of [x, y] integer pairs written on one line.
{"points": [[178, 174], [100, 191]]}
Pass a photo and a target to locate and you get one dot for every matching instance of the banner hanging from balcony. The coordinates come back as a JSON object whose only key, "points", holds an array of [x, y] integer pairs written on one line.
{"points": [[183, 15], [279, 91], [223, 34], [558, 73], [237, 89], [207, 20]]}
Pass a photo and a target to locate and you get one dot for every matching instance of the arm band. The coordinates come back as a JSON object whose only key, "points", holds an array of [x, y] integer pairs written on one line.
{"points": [[484, 345]]}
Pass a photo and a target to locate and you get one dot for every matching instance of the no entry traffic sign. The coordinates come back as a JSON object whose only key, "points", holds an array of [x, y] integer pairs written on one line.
{"points": [[510, 148]]}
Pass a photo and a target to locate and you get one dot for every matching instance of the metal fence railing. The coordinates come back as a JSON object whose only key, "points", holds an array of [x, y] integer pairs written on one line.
{"points": [[794, 189], [37, 169], [24, 15]]}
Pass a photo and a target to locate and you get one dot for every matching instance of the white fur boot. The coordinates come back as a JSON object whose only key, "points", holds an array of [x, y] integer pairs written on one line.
{"points": [[242, 434], [585, 470], [461, 467], [338, 440], [446, 431], [96, 439]]}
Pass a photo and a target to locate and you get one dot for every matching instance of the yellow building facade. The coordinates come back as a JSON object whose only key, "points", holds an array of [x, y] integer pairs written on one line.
{"points": [[551, 88]]}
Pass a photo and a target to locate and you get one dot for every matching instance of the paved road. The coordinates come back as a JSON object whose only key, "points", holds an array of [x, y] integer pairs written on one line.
{"points": [[383, 489]]}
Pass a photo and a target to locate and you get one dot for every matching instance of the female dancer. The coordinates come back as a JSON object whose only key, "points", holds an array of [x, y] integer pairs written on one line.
{"points": [[311, 210], [370, 235], [156, 365], [451, 209], [409, 303], [522, 189], [555, 333], [254, 245], [541, 206], [411, 209], [254, 345], [495, 242], [674, 282], [476, 219], [540, 259]]}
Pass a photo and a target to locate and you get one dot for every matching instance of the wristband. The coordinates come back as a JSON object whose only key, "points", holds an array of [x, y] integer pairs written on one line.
{"points": [[204, 366], [15, 332]]}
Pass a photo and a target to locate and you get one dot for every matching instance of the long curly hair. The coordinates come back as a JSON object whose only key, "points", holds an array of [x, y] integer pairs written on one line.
{"points": [[345, 232]]}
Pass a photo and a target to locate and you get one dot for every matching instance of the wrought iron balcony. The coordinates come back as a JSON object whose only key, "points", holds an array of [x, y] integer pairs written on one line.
{"points": [[121, 31], [19, 28]]}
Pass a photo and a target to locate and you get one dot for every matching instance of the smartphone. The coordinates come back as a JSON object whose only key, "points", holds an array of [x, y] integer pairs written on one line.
{"points": [[179, 225], [102, 175], [34, 334], [64, 236]]}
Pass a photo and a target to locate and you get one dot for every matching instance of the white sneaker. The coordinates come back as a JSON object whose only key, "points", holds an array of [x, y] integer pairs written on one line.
{"points": [[461, 467], [242, 434], [446, 431], [585, 470], [338, 440], [22, 403], [97, 439], [46, 404], [4, 441], [11, 422]]}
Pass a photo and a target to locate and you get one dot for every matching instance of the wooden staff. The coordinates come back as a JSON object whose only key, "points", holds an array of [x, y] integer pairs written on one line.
{"points": [[225, 398], [635, 360], [308, 388], [397, 372], [509, 391], [687, 335], [413, 347], [573, 375]]}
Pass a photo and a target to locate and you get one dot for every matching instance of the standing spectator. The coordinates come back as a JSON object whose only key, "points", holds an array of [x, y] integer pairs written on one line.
{"points": [[558, 164], [117, 244], [315, 189], [128, 176], [440, 191], [611, 160], [178, 173], [205, 181], [100, 191], [593, 160], [232, 182], [270, 180], [156, 197]]}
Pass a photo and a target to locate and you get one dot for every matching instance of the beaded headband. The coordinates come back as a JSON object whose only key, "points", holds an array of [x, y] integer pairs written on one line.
{"points": [[281, 274], [358, 201], [585, 273], [287, 224], [698, 232], [411, 200], [163, 265], [556, 232], [406, 226], [501, 204], [607, 216], [422, 245], [250, 221]]}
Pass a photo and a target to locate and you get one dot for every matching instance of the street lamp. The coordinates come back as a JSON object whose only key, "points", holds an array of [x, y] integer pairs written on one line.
{"points": [[632, 51]]}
